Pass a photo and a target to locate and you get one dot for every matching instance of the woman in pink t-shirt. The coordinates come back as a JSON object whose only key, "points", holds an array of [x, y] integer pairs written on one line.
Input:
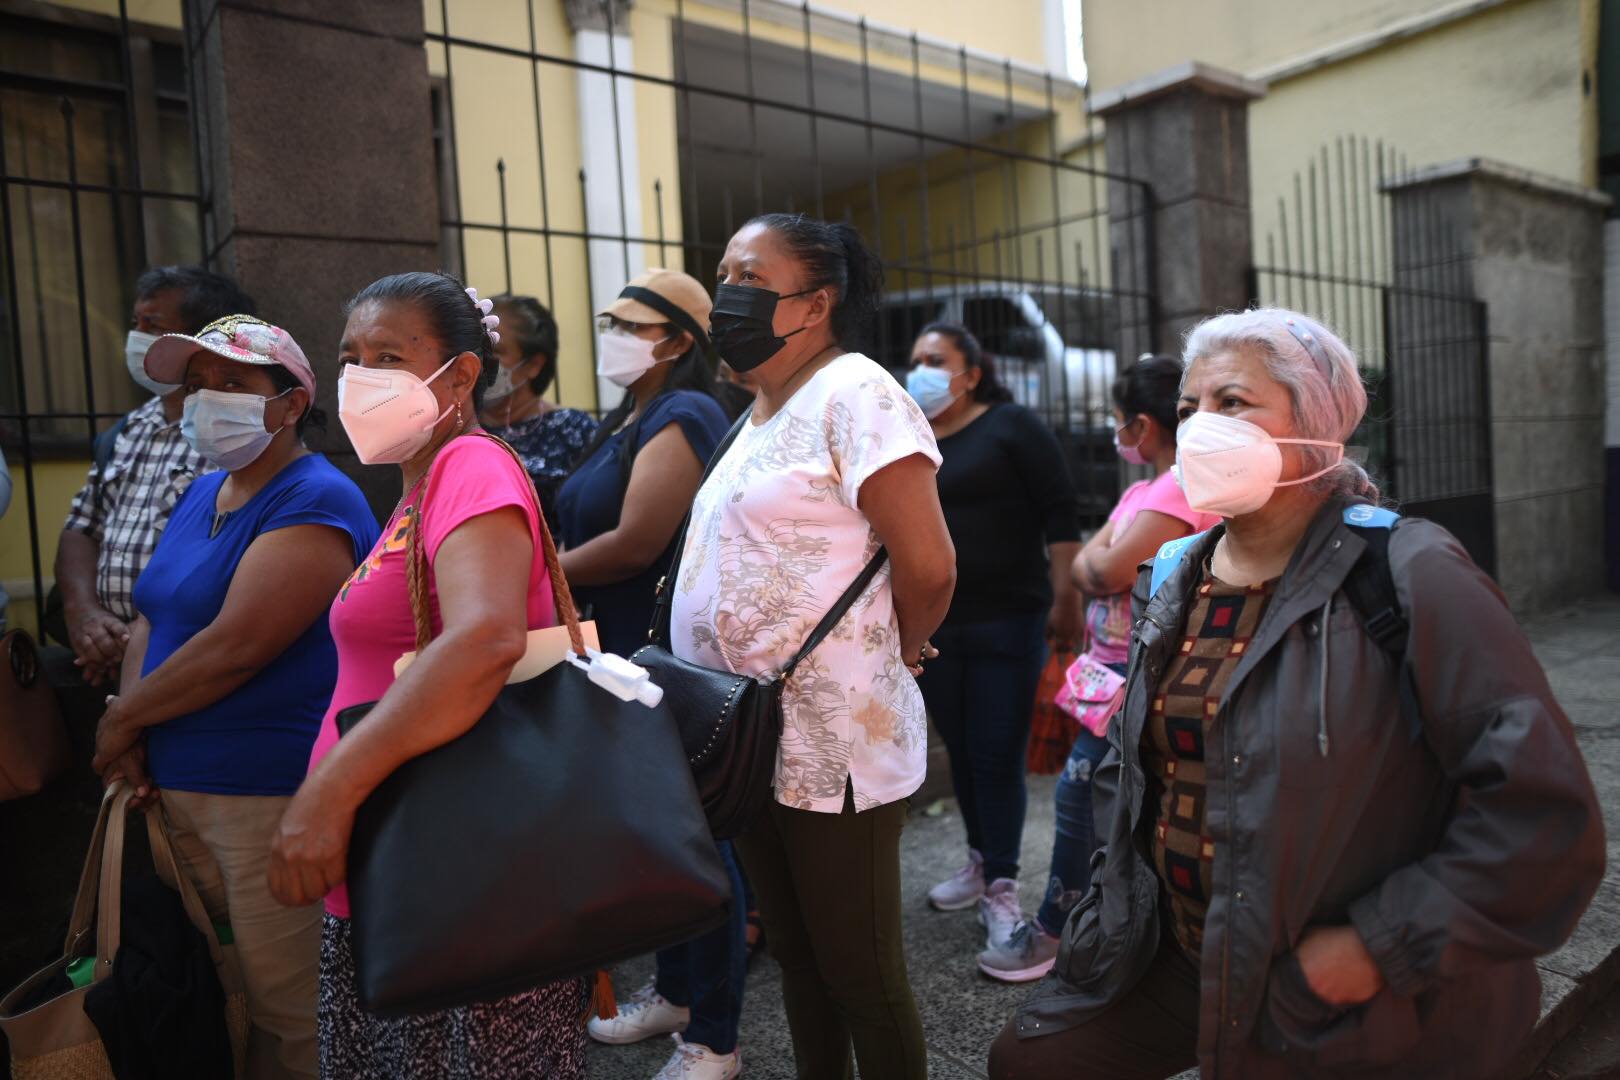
{"points": [[1148, 515], [416, 356]]}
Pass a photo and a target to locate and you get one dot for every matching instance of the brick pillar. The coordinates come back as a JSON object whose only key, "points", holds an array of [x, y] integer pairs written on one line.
{"points": [[1531, 248], [317, 137], [1185, 131]]}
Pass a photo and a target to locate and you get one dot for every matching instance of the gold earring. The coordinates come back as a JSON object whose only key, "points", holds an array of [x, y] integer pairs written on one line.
{"points": [[458, 414]]}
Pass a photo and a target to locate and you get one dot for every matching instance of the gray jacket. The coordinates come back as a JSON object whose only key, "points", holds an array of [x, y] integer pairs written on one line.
{"points": [[1459, 855]]}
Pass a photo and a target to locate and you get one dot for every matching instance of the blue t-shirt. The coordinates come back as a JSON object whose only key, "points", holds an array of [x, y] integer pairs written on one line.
{"points": [[590, 500], [255, 740]]}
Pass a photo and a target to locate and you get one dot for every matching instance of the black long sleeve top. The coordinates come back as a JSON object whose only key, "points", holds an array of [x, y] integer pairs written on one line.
{"points": [[1007, 494]]}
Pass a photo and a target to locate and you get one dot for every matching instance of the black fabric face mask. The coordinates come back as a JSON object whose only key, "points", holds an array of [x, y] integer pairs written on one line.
{"points": [[740, 325]]}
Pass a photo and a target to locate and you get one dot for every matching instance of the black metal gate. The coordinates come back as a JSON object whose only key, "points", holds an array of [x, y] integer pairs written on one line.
{"points": [[99, 178], [949, 162], [1389, 278]]}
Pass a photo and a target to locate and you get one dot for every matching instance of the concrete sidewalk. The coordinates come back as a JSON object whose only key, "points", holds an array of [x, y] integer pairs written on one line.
{"points": [[963, 1011]]}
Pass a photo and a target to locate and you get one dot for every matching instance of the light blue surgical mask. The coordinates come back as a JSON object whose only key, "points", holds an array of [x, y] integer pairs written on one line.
{"points": [[930, 387], [226, 429]]}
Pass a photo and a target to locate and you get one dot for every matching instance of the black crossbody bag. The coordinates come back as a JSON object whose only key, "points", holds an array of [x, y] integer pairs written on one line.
{"points": [[731, 725]]}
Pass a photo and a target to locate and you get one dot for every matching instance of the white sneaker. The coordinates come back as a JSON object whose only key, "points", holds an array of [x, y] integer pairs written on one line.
{"points": [[963, 888], [692, 1061], [644, 1015], [999, 912]]}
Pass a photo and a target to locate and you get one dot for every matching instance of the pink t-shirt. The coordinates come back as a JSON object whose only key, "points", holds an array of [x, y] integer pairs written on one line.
{"points": [[1109, 617], [371, 617]]}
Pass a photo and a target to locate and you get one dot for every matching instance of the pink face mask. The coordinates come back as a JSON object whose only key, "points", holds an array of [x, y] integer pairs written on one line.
{"points": [[1131, 455], [389, 415]]}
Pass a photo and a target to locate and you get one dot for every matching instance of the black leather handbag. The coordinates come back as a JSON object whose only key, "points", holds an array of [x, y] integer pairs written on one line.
{"points": [[731, 725], [558, 836]]}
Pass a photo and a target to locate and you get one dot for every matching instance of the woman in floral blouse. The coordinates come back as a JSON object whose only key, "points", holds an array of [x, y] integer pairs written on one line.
{"points": [[835, 461], [547, 437]]}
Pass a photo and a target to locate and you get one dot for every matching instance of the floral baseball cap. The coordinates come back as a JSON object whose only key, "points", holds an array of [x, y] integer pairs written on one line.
{"points": [[235, 337]]}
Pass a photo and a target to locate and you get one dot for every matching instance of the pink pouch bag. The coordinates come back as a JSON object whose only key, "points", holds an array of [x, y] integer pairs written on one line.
{"points": [[1091, 693]]}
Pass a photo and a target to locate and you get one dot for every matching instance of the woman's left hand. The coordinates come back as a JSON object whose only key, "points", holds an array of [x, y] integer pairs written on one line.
{"points": [[1338, 966], [309, 852], [114, 736]]}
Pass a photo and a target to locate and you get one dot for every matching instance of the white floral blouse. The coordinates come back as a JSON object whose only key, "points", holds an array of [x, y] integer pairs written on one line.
{"points": [[777, 535]]}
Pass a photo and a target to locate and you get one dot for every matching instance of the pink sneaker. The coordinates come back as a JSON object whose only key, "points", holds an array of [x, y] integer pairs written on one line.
{"points": [[962, 889]]}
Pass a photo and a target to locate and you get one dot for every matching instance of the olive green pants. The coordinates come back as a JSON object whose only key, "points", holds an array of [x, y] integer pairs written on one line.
{"points": [[828, 887]]}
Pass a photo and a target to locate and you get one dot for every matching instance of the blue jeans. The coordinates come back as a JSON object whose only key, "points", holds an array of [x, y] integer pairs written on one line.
{"points": [[980, 693], [1076, 837], [706, 974]]}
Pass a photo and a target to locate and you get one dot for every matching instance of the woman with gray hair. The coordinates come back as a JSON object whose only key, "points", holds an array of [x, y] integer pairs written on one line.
{"points": [[1338, 839]]}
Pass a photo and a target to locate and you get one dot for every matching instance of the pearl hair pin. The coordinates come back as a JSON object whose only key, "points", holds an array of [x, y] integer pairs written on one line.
{"points": [[489, 319]]}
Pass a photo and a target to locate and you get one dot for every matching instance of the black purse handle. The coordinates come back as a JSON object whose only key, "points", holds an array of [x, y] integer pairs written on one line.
{"points": [[660, 631]]}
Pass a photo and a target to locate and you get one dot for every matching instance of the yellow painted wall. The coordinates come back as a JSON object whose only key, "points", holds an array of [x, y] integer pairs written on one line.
{"points": [[1011, 28], [58, 482], [1504, 85], [495, 120], [156, 12]]}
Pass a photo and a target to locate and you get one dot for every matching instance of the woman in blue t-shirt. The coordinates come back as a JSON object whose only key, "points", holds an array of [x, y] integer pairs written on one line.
{"points": [[618, 514], [619, 510], [230, 663]]}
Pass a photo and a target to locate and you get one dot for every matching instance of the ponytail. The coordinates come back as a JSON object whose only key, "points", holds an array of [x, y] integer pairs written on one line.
{"points": [[835, 257]]}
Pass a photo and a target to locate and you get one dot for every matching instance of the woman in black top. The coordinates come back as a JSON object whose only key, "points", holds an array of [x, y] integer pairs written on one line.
{"points": [[1014, 519]]}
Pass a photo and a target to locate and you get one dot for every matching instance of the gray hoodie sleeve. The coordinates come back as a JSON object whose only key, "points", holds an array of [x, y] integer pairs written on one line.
{"points": [[1524, 853]]}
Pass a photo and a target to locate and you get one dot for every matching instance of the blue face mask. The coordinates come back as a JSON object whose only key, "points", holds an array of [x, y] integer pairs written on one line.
{"points": [[930, 387], [226, 429]]}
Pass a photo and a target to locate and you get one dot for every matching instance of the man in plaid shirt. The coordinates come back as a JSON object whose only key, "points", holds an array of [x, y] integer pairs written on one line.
{"points": [[120, 512]]}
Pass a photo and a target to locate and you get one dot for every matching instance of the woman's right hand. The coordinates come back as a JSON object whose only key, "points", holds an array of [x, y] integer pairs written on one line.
{"points": [[310, 849]]}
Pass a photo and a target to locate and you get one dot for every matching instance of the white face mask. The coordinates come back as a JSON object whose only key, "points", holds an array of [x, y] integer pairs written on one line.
{"points": [[226, 429], [135, 346], [624, 358], [389, 415], [1230, 467], [502, 387]]}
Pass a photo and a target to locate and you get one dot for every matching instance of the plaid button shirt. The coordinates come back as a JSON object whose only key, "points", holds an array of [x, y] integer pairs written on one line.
{"points": [[124, 506]]}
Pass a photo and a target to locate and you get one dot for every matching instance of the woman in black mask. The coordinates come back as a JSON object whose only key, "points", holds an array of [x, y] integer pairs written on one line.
{"points": [[834, 462]]}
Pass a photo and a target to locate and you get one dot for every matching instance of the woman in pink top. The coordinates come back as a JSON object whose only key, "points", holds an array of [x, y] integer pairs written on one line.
{"points": [[1148, 515], [416, 356]]}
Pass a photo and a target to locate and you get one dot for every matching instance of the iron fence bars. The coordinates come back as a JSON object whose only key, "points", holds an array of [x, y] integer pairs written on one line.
{"points": [[96, 120], [945, 160], [1391, 277]]}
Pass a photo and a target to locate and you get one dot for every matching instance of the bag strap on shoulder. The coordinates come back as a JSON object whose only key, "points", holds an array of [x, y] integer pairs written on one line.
{"points": [[1168, 558], [418, 570], [105, 443], [836, 613], [660, 630], [1370, 586]]}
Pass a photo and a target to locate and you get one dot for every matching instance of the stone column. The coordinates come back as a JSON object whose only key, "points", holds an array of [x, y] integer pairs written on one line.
{"points": [[1185, 132], [317, 136], [609, 154], [1531, 248]]}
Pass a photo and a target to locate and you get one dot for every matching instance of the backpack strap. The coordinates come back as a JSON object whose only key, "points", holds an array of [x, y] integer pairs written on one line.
{"points": [[102, 448], [1168, 558], [1371, 588]]}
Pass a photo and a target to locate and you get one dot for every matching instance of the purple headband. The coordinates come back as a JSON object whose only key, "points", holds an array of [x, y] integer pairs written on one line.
{"points": [[1311, 345]]}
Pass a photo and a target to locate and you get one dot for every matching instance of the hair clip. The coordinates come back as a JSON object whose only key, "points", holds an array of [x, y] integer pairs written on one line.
{"points": [[487, 317]]}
